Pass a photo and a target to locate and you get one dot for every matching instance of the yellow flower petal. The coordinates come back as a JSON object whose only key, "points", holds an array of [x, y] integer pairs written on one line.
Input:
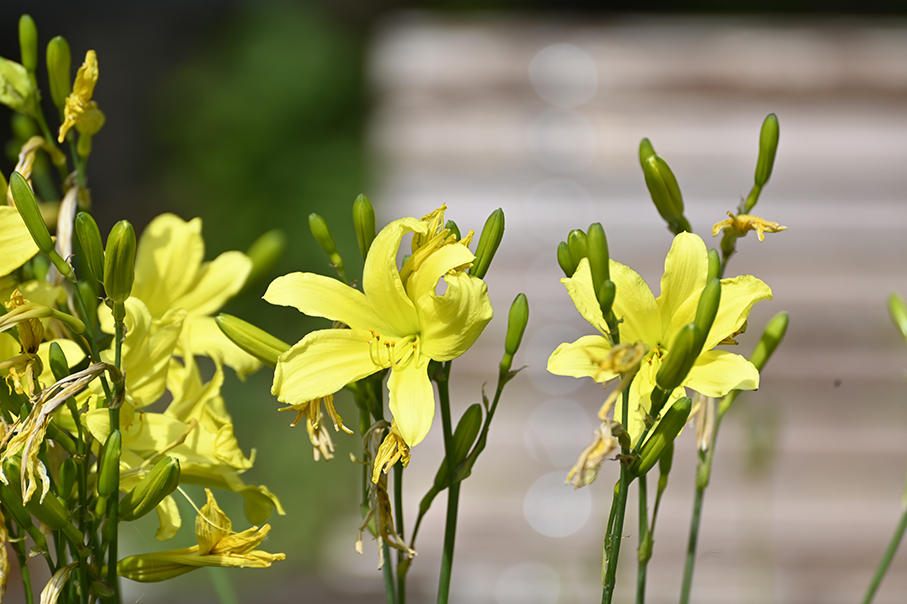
{"points": [[169, 254], [452, 322], [582, 358], [412, 401], [204, 337], [15, 241], [217, 282], [381, 278], [717, 372], [738, 295], [686, 269]]}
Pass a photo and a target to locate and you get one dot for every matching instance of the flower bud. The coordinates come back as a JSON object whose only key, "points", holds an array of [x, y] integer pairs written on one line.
{"points": [[464, 437], [898, 311], [59, 67], [664, 466], [25, 201], [564, 260], [109, 465], [322, 235], [58, 364], [489, 240], [663, 436], [714, 265], [646, 150], [264, 253], [119, 263], [516, 326], [67, 478], [665, 193], [257, 342], [160, 482], [679, 359], [17, 89], [364, 223], [706, 311], [48, 511], [13, 507], [576, 243], [451, 226], [771, 337], [768, 146], [90, 239], [28, 43], [599, 263]]}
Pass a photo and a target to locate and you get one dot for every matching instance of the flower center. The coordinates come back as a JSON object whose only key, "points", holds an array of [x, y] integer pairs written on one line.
{"points": [[385, 352]]}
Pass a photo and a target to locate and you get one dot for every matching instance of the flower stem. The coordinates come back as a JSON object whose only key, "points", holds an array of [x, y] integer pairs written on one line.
{"points": [[389, 594], [887, 558], [22, 557], [614, 537], [645, 547], [453, 494], [398, 512]]}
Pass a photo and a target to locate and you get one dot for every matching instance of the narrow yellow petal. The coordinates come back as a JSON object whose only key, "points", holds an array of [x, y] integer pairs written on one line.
{"points": [[686, 269], [412, 401], [169, 255], [738, 295], [15, 241], [218, 281], [582, 358], [381, 277], [717, 372]]}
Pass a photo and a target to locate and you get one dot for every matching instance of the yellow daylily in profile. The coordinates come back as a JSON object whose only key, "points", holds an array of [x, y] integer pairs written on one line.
{"points": [[170, 273], [80, 110], [398, 322], [217, 545], [655, 323]]}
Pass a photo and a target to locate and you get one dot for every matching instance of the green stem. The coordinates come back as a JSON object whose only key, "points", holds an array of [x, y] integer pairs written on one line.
{"points": [[453, 495], [389, 594], [612, 543], [398, 512], [645, 546], [223, 586], [22, 557], [887, 558], [691, 547], [113, 519]]}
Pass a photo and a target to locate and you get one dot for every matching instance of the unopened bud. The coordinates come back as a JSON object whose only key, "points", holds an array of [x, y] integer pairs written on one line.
{"points": [[768, 146], [663, 436], [464, 437], [564, 260], [599, 263], [67, 478], [679, 358], [25, 201], [257, 342], [646, 150], [898, 311], [17, 89], [264, 253], [90, 239], [706, 311], [714, 265], [516, 326], [28, 43], [364, 223], [576, 243], [160, 482], [119, 264], [59, 67], [771, 337], [322, 235], [58, 364], [109, 465], [665, 193], [13, 508], [489, 240], [451, 226], [664, 465], [49, 512]]}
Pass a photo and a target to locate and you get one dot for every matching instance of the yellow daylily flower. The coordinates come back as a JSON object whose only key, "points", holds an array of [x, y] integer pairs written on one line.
{"points": [[170, 273], [740, 224], [217, 545], [80, 110], [15, 241], [655, 323], [398, 322]]}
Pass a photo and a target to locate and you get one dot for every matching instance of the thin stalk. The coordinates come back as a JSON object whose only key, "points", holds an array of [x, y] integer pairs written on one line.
{"points": [[453, 493], [22, 557], [645, 547], [223, 586], [612, 542], [398, 512], [389, 594], [113, 514], [887, 558]]}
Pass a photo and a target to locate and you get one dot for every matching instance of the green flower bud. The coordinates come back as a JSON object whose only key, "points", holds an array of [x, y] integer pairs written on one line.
{"points": [[109, 465], [364, 223], [256, 341], [90, 297], [58, 364], [599, 264], [663, 436], [49, 512], [119, 263], [898, 311], [771, 337], [714, 265], [90, 239], [322, 235], [28, 43], [463, 438], [706, 311], [59, 68], [664, 466], [646, 150], [489, 240], [13, 507], [30, 213], [264, 253], [564, 259], [160, 482], [17, 89], [576, 243], [67, 478], [516, 326], [768, 146], [679, 359], [665, 193], [451, 226]]}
